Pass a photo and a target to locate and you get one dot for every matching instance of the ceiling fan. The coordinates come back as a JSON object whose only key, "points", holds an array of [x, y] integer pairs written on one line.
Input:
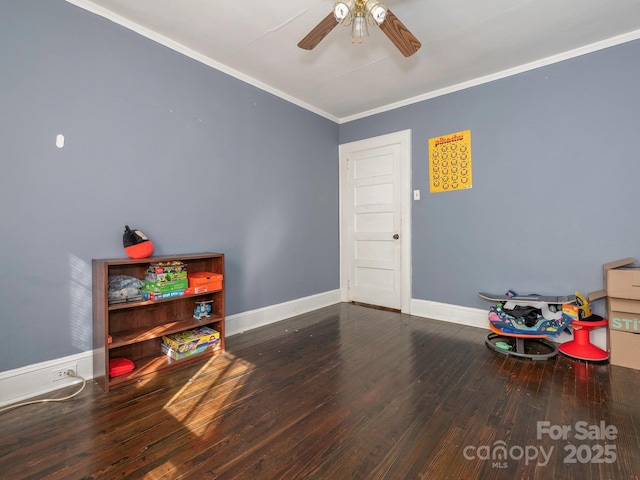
{"points": [[357, 14]]}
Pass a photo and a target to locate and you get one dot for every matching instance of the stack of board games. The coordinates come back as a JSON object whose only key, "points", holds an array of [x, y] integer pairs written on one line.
{"points": [[165, 280], [190, 342]]}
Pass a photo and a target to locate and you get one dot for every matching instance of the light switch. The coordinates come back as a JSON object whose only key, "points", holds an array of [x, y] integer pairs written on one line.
{"points": [[416, 194]]}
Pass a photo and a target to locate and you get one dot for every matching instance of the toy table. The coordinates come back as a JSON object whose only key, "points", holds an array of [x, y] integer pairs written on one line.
{"points": [[535, 347], [581, 347]]}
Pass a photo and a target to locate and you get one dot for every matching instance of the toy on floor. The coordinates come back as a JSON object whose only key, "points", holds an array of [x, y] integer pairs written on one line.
{"points": [[583, 320], [534, 347], [521, 324], [580, 310], [529, 314]]}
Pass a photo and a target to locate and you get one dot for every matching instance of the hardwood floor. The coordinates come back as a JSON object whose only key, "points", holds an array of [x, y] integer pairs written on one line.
{"points": [[345, 392]]}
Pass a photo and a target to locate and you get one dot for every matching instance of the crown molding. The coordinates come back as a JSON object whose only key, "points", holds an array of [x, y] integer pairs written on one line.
{"points": [[178, 47], [167, 42]]}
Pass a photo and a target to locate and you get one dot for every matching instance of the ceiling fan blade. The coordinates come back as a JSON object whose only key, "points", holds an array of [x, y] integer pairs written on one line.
{"points": [[320, 31], [400, 35]]}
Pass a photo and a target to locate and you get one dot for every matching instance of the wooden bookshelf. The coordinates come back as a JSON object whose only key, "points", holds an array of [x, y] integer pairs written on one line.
{"points": [[136, 329]]}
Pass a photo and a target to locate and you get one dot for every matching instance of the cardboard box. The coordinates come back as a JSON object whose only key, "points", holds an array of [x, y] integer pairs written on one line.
{"points": [[622, 291], [625, 349], [207, 280], [622, 279], [624, 314], [199, 289], [191, 339]]}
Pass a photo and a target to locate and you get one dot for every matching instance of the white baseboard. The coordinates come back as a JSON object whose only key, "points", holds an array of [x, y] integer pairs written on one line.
{"points": [[33, 380], [37, 379], [472, 317], [242, 322], [476, 317]]}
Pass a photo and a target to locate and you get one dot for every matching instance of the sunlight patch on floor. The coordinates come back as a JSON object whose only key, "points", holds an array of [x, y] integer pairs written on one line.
{"points": [[214, 384]]}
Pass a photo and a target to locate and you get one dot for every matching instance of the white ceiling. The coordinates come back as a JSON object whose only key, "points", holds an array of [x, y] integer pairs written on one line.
{"points": [[464, 42]]}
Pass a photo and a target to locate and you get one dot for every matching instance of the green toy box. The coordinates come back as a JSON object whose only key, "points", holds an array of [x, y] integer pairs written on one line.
{"points": [[164, 286]]}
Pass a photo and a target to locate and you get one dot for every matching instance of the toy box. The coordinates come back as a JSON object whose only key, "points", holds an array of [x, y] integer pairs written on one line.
{"points": [[191, 339], [159, 268], [170, 352], [160, 286], [166, 276], [164, 295], [205, 281], [153, 276]]}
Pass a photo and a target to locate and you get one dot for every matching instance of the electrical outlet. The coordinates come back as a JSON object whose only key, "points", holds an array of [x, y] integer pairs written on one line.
{"points": [[61, 373]]}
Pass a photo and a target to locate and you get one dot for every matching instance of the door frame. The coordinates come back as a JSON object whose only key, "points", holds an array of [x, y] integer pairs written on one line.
{"points": [[404, 139]]}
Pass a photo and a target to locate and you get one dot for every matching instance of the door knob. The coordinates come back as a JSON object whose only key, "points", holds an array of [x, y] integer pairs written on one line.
{"points": [[396, 236]]}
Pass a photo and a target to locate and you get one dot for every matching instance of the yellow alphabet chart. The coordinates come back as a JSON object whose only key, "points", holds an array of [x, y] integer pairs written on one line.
{"points": [[450, 162]]}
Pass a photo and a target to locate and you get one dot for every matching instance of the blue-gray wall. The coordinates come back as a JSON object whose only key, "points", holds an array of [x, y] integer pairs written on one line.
{"points": [[555, 180], [196, 159], [201, 161]]}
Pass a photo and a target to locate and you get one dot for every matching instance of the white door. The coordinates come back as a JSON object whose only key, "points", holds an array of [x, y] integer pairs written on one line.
{"points": [[375, 189]]}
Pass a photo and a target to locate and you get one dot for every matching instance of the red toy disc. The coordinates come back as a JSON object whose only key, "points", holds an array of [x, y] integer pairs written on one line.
{"points": [[120, 366]]}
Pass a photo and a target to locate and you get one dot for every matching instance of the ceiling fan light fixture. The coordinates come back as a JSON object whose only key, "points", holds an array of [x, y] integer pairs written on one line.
{"points": [[357, 14], [376, 11], [359, 28], [343, 10]]}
